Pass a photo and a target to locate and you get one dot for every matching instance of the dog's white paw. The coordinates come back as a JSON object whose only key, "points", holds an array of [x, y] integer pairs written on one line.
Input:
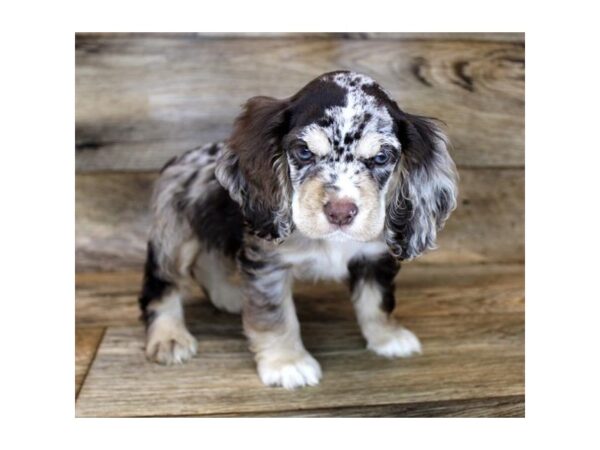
{"points": [[290, 371], [394, 341], [169, 342]]}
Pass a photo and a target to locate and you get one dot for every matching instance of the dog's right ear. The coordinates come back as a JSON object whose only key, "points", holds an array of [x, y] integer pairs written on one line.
{"points": [[253, 167]]}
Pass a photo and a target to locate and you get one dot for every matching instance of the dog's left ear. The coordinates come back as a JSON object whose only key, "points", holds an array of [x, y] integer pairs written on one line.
{"points": [[425, 191], [253, 167]]}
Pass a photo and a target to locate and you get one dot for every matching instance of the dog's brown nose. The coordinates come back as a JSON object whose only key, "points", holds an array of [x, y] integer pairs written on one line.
{"points": [[340, 212]]}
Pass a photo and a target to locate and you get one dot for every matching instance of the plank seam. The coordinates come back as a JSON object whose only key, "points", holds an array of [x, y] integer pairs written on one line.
{"points": [[93, 358]]}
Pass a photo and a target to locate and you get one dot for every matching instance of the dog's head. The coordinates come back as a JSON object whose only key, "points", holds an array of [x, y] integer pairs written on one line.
{"points": [[340, 160]]}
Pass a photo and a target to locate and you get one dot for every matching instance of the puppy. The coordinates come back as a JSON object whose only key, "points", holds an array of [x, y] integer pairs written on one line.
{"points": [[334, 182]]}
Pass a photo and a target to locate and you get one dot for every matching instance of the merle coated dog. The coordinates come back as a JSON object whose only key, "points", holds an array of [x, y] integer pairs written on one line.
{"points": [[334, 182]]}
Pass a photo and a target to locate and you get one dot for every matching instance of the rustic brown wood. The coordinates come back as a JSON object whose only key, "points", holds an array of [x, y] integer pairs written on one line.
{"points": [[509, 406], [112, 220], [110, 299], [464, 357], [87, 340], [469, 318], [142, 98], [489, 222], [457, 36]]}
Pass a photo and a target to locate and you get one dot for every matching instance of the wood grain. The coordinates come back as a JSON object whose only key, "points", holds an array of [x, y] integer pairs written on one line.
{"points": [[464, 357], [509, 406], [470, 320], [453, 36], [142, 98], [110, 299], [87, 340], [112, 220]]}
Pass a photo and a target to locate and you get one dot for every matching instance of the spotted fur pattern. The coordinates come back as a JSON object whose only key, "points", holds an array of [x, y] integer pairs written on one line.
{"points": [[245, 217]]}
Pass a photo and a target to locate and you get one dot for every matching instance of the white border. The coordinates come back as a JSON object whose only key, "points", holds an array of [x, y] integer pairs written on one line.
{"points": [[38, 233]]}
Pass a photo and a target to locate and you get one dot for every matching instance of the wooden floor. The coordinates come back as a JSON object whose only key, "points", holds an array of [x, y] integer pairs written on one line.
{"points": [[470, 319]]}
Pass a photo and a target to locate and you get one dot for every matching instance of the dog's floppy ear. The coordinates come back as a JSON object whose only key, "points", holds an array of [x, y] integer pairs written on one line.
{"points": [[425, 191], [253, 167]]}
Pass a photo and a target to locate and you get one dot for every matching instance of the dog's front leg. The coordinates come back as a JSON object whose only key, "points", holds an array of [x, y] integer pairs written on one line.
{"points": [[270, 321], [372, 284]]}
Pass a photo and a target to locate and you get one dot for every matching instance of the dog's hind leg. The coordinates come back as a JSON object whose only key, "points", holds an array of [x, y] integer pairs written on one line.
{"points": [[218, 276], [167, 339]]}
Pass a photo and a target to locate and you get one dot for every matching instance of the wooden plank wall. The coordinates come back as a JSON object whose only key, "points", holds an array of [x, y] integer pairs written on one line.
{"points": [[141, 98]]}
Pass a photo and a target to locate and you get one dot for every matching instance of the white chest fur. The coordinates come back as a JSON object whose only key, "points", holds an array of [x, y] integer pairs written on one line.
{"points": [[325, 259]]}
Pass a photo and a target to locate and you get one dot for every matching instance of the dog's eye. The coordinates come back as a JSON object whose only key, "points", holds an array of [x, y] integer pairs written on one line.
{"points": [[303, 153], [381, 158]]}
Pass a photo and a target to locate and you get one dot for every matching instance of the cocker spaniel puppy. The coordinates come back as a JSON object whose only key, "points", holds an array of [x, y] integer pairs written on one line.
{"points": [[334, 182]]}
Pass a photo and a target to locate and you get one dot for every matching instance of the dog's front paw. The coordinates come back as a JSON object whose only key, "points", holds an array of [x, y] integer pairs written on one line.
{"points": [[169, 342], [289, 371], [394, 341]]}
